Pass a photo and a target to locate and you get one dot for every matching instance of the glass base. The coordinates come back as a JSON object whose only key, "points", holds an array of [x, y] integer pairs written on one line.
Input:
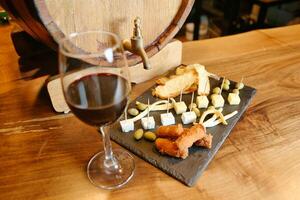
{"points": [[111, 178]]}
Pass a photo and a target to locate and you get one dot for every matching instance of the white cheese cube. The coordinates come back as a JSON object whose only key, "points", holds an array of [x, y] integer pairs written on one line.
{"points": [[180, 107], [202, 101], [167, 119], [234, 99], [217, 100], [188, 117], [148, 123], [127, 125]]}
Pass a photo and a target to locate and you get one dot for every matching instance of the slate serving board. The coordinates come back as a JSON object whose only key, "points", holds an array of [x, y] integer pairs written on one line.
{"points": [[189, 169]]}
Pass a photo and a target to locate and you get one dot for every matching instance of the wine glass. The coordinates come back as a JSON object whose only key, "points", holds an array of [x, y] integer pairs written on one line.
{"points": [[96, 85]]}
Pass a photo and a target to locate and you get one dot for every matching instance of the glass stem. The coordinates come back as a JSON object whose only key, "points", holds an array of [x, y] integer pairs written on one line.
{"points": [[110, 161]]}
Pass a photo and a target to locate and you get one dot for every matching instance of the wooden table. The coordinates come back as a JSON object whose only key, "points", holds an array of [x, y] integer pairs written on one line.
{"points": [[43, 155]]}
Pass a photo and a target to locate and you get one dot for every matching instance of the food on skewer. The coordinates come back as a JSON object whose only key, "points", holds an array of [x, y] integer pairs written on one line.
{"points": [[127, 124], [189, 117], [234, 99], [202, 101], [192, 105], [169, 147], [216, 90], [167, 118], [211, 108], [226, 82], [217, 99], [148, 122], [172, 131], [236, 91], [179, 107], [239, 85], [226, 85], [197, 112]]}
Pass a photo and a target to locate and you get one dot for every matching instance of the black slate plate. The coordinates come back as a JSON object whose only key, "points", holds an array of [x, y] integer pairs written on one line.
{"points": [[189, 169]]}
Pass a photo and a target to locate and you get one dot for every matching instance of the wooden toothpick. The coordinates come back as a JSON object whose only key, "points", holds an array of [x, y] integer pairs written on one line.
{"points": [[180, 95], [222, 86], [148, 110], [191, 105], [242, 79], [168, 104], [125, 113]]}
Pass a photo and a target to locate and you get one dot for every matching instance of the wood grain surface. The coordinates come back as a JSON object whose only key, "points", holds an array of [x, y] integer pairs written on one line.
{"points": [[160, 19], [44, 155]]}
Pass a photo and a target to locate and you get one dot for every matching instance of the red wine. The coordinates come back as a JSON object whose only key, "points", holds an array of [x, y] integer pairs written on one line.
{"points": [[98, 99]]}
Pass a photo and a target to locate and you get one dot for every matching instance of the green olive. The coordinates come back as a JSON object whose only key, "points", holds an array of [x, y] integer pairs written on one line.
{"points": [[239, 86], [236, 91], [216, 90], [193, 105], [141, 106], [211, 108], [225, 86], [133, 111], [138, 134], [227, 82], [150, 136], [197, 112]]}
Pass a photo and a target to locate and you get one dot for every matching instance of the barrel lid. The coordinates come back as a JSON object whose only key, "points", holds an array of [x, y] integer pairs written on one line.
{"points": [[161, 19]]}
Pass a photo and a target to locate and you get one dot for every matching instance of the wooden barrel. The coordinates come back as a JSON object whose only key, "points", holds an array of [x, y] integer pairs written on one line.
{"points": [[50, 20]]}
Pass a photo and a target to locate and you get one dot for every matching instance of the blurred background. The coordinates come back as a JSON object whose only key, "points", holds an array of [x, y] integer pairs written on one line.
{"points": [[215, 18]]}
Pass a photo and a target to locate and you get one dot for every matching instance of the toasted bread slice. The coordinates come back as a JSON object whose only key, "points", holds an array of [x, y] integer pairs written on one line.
{"points": [[173, 86]]}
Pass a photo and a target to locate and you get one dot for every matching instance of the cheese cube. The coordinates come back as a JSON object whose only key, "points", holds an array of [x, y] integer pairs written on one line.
{"points": [[127, 125], [202, 101], [180, 107], [217, 100], [148, 123], [234, 99], [167, 119], [188, 117]]}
